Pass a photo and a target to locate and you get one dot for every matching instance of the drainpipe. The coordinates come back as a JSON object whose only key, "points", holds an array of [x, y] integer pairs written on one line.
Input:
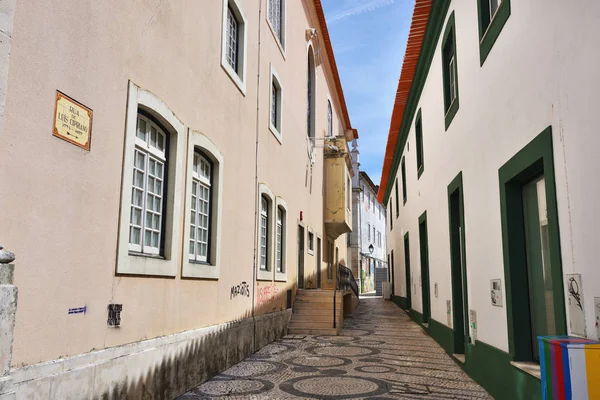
{"points": [[260, 3], [8, 310]]}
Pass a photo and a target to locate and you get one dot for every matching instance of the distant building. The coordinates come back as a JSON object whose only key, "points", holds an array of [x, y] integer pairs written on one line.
{"points": [[367, 241]]}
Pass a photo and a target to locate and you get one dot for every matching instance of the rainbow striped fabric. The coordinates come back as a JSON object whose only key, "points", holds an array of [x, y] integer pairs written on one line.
{"points": [[570, 368]]}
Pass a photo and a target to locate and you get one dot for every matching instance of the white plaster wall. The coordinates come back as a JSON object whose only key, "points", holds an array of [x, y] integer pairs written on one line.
{"points": [[540, 72], [60, 204], [370, 216]]}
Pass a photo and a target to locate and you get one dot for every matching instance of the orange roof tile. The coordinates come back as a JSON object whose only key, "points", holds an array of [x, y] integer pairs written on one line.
{"points": [[413, 50]]}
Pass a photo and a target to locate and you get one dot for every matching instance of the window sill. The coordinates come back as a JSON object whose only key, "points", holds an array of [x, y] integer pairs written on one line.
{"points": [[281, 48], [144, 255], [530, 368], [239, 83], [488, 38], [311, 252], [276, 133], [420, 171]]}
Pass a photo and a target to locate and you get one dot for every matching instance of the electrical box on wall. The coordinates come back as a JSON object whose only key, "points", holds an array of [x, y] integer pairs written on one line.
{"points": [[597, 309], [449, 313], [496, 292], [473, 325]]}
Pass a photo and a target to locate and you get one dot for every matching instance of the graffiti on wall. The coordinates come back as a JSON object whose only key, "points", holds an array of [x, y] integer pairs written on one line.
{"points": [[266, 293], [240, 290]]}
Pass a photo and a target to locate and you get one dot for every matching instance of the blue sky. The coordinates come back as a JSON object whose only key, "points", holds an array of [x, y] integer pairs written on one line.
{"points": [[369, 39]]}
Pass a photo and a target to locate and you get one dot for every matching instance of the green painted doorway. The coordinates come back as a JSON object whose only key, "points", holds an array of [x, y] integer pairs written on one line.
{"points": [[424, 252], [458, 266], [407, 271]]}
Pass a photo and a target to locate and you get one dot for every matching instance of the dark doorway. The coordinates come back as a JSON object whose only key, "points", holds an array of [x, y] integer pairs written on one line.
{"points": [[391, 267], [407, 271], [300, 257], [424, 267], [460, 303], [319, 262]]}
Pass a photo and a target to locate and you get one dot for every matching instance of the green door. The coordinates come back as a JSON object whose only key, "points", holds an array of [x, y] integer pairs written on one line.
{"points": [[425, 292], [458, 270], [541, 294], [407, 271]]}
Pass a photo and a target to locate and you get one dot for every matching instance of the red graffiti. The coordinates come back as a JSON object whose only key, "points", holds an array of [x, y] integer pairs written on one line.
{"points": [[265, 294]]}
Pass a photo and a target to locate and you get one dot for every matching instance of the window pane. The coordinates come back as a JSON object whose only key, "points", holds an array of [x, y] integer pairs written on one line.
{"points": [[232, 39], [134, 236], [141, 129]]}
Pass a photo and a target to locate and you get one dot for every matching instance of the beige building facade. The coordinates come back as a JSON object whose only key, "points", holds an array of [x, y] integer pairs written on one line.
{"points": [[180, 236]]}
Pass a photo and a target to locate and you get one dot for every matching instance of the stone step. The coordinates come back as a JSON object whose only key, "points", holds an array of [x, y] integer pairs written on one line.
{"points": [[311, 299], [311, 325], [313, 317], [313, 313], [319, 332], [314, 293]]}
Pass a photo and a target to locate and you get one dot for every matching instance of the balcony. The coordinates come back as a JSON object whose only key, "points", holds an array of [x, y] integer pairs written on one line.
{"points": [[338, 187]]}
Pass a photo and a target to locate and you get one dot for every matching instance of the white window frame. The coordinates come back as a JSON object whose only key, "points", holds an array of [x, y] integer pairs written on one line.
{"points": [[276, 81], [280, 41], [166, 265], [238, 77], [283, 275], [452, 80], [210, 269], [269, 273], [150, 153]]}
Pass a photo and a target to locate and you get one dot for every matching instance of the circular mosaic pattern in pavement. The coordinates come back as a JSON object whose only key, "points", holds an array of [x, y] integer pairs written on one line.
{"points": [[371, 342], [343, 351], [254, 368], [334, 387], [333, 372], [319, 361], [356, 332], [375, 369], [275, 348], [237, 387], [336, 339]]}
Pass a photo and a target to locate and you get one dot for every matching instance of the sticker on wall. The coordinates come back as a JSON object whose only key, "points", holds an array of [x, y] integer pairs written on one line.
{"points": [[78, 310], [473, 325], [597, 309], [72, 121], [449, 313], [496, 292], [575, 304]]}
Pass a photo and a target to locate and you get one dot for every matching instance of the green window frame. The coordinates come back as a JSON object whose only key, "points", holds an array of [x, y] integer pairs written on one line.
{"points": [[450, 71], [490, 24], [535, 158], [419, 140], [397, 200], [404, 194], [391, 207]]}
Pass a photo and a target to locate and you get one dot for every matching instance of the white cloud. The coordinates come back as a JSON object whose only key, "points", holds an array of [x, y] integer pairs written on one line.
{"points": [[366, 7]]}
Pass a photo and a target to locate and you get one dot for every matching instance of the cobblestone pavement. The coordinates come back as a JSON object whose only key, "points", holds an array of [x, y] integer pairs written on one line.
{"points": [[380, 354]]}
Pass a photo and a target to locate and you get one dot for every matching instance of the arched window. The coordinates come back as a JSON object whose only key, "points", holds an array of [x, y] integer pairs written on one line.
{"points": [[329, 119], [201, 210], [148, 189], [310, 118]]}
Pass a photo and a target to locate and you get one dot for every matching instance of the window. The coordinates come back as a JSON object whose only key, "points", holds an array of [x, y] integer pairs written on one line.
{"points": [[276, 18], [450, 72], [397, 200], [148, 191], [200, 209], [276, 105], [369, 232], [279, 240], [348, 194], [329, 119], [493, 14], [391, 207], [234, 43], [419, 140], [264, 233], [310, 93], [311, 242], [151, 231], [379, 239], [202, 212], [404, 194], [374, 234]]}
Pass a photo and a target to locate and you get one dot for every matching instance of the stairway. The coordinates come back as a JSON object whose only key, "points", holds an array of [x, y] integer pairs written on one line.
{"points": [[313, 313]]}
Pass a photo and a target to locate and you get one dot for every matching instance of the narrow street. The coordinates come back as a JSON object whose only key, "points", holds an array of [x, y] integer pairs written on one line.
{"points": [[380, 354]]}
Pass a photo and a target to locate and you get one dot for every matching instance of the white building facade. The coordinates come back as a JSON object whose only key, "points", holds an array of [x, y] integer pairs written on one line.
{"points": [[488, 179], [367, 241]]}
